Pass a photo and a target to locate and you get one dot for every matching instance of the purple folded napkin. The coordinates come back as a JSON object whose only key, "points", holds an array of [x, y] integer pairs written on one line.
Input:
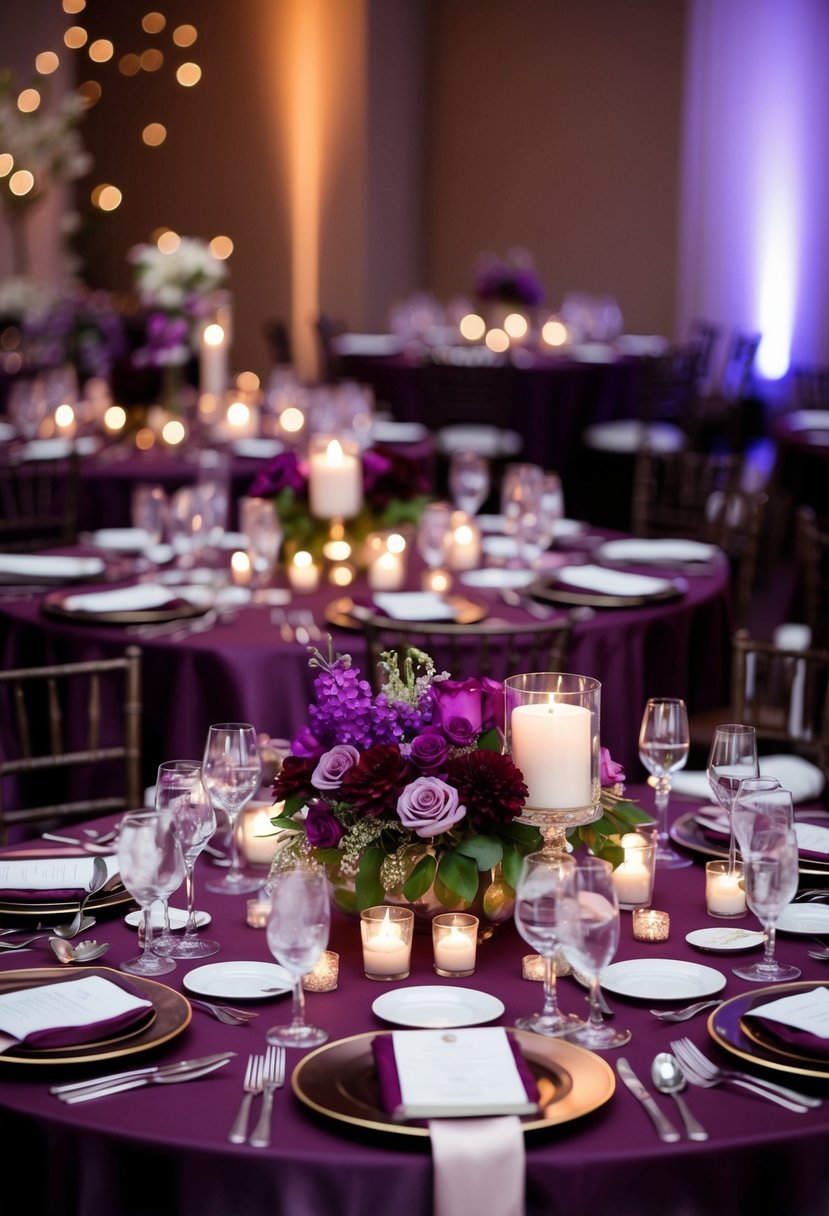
{"points": [[56, 1036], [801, 1041], [388, 1080]]}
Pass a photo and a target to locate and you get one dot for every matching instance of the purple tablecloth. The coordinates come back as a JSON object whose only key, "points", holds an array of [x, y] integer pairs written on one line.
{"points": [[244, 670], [165, 1152]]}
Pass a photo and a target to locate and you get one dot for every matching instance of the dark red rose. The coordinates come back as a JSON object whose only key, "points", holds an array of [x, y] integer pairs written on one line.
{"points": [[322, 828], [490, 787], [281, 473], [374, 784], [295, 778], [389, 476]]}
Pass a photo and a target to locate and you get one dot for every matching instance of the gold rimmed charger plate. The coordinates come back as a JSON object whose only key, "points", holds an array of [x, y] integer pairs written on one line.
{"points": [[687, 832], [558, 592], [55, 604], [345, 614], [727, 1028], [55, 909], [339, 1080], [171, 1013]]}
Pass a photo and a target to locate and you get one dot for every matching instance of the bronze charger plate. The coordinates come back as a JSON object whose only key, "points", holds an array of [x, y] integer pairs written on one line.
{"points": [[556, 591], [55, 604], [170, 1014], [339, 1080], [346, 614]]}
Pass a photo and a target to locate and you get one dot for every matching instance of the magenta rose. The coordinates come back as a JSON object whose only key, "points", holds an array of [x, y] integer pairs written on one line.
{"points": [[460, 731], [322, 829], [306, 743], [611, 771], [459, 699], [428, 806], [428, 751], [333, 765], [492, 712]]}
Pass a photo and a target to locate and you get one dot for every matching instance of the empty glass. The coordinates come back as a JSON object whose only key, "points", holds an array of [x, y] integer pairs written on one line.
{"points": [[664, 741], [522, 488], [757, 799], [232, 773], [188, 525], [469, 480], [771, 876], [434, 534], [298, 928], [259, 521], [179, 789], [732, 758], [149, 510], [539, 883], [151, 865]]}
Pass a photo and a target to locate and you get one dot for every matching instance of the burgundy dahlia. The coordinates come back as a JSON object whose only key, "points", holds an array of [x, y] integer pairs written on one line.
{"points": [[295, 778], [373, 786], [489, 785]]}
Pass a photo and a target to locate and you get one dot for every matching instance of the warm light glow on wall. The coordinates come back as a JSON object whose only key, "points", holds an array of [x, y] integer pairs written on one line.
{"points": [[168, 241], [188, 74], [185, 35], [90, 93], [221, 247], [21, 182], [46, 63], [101, 50], [151, 60], [75, 37], [106, 197], [247, 382], [154, 134], [129, 65], [28, 101], [153, 23]]}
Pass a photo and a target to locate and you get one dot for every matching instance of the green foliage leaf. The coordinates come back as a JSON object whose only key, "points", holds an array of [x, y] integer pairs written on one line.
{"points": [[490, 741], [368, 888], [293, 803], [485, 851], [511, 865], [420, 879], [459, 874], [524, 836], [284, 823]]}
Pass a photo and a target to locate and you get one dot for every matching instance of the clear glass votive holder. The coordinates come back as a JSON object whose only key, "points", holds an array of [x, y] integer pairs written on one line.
{"points": [[650, 925], [257, 912], [324, 974], [532, 966], [633, 877], [725, 894], [454, 941], [386, 933]]}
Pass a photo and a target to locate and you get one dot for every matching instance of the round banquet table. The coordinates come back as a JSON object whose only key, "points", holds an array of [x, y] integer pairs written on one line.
{"points": [[244, 669], [164, 1152], [802, 440]]}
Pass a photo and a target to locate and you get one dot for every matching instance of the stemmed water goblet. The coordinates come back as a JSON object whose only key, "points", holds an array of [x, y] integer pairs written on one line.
{"points": [[469, 480], [664, 742], [259, 521], [587, 914], [434, 534], [232, 772], [732, 758], [298, 926], [151, 865], [522, 487], [771, 866], [757, 800], [180, 791], [149, 511], [539, 883]]}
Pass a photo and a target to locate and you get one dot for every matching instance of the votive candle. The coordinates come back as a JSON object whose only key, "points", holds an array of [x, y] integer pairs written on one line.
{"points": [[387, 942], [724, 889], [454, 941], [324, 974], [650, 925]]}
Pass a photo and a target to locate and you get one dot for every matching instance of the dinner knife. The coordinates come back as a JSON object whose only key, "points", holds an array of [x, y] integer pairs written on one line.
{"points": [[183, 1066], [117, 1087], [661, 1122]]}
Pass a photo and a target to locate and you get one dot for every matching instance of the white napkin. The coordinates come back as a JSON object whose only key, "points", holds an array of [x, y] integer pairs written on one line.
{"points": [[123, 540], [657, 550], [414, 606], [49, 565], [121, 599], [258, 449], [803, 779], [479, 1166], [611, 582], [386, 431], [811, 838]]}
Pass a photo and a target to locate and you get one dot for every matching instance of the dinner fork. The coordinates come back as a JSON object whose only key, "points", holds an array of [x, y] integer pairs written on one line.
{"points": [[683, 1014], [274, 1078], [701, 1071], [252, 1084], [226, 1013]]}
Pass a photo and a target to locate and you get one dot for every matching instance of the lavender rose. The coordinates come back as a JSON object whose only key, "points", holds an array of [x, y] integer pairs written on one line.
{"points": [[428, 751], [460, 731], [428, 806], [611, 771], [333, 765], [322, 829]]}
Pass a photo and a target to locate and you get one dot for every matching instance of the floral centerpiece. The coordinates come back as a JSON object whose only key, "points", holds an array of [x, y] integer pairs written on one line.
{"points": [[510, 280], [395, 490], [82, 327], [408, 791]]}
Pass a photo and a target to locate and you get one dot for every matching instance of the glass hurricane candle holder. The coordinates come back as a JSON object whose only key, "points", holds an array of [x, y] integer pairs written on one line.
{"points": [[552, 731]]}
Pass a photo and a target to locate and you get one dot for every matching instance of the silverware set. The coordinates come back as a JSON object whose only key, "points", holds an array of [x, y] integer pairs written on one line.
{"points": [[296, 625], [699, 1070], [177, 629], [264, 1074], [164, 1074]]}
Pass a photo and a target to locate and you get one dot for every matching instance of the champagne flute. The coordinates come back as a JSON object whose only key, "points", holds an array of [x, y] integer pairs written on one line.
{"points": [[232, 772], [469, 480], [664, 741], [758, 798], [539, 882], [732, 758], [180, 791], [587, 914], [151, 865], [771, 876], [298, 928]]}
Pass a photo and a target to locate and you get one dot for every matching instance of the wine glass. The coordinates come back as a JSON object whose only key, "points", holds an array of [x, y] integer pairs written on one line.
{"points": [[469, 480], [732, 758], [298, 928], [149, 510], [522, 487], [771, 876], [664, 741], [587, 915], [539, 882], [232, 772], [752, 803], [180, 791], [151, 864], [434, 534], [259, 521]]}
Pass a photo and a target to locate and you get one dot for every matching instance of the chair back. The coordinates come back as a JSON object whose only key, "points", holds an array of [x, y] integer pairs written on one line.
{"points": [[72, 728], [489, 648], [735, 376], [704, 336], [38, 502], [813, 562], [783, 694]]}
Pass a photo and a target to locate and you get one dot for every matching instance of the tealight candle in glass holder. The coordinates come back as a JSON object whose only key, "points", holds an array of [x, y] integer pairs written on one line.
{"points": [[650, 925], [725, 894], [387, 941], [324, 974], [633, 877], [454, 941]]}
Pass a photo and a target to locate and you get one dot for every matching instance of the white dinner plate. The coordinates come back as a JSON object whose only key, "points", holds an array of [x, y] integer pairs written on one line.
{"points": [[497, 576], [178, 918], [435, 1007], [661, 979], [724, 940], [121, 540], [807, 919], [238, 981]]}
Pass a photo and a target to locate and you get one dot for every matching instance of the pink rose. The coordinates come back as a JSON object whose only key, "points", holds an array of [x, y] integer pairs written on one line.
{"points": [[428, 806], [611, 771], [333, 765]]}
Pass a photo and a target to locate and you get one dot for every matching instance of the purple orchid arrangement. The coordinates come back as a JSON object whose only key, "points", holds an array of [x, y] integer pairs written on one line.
{"points": [[511, 280], [408, 788]]}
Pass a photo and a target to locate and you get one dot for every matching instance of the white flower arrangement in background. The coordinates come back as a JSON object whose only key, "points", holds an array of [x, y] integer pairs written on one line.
{"points": [[44, 142], [179, 280]]}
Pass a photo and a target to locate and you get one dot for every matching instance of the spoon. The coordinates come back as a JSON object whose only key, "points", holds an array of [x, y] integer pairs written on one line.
{"points": [[80, 923], [668, 1079], [84, 952]]}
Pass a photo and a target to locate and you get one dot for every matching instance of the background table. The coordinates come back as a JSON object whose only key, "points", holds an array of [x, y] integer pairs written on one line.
{"points": [[158, 1152]]}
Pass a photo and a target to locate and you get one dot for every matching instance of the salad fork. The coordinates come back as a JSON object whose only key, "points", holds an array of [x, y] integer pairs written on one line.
{"points": [[226, 1013], [701, 1071], [274, 1078], [252, 1084]]}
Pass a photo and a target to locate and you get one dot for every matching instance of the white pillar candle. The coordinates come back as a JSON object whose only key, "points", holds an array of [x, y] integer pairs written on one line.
{"points": [[455, 944], [258, 835], [213, 358], [335, 479], [552, 746], [303, 574], [466, 545], [387, 572], [241, 421]]}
